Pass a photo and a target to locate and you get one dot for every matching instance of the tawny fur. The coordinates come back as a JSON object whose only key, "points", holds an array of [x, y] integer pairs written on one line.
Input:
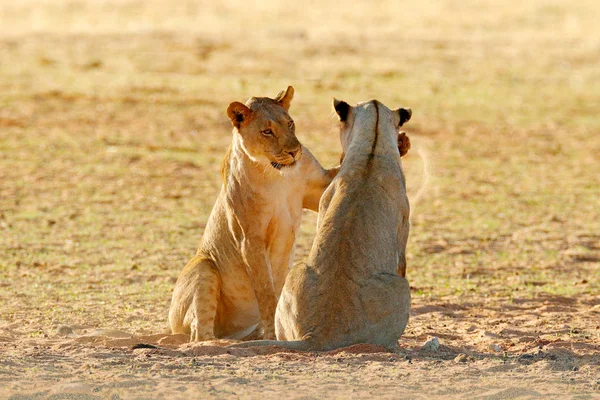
{"points": [[352, 289], [231, 287]]}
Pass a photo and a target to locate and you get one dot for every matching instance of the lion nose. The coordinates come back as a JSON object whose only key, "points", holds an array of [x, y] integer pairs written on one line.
{"points": [[294, 153]]}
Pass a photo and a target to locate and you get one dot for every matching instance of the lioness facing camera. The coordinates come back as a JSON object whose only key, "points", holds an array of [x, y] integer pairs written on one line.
{"points": [[232, 285], [352, 288]]}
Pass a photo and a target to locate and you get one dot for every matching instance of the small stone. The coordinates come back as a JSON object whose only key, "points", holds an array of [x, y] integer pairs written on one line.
{"points": [[461, 358], [64, 330], [495, 347], [432, 344]]}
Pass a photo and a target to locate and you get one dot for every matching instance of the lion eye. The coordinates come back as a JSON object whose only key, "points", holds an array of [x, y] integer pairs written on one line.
{"points": [[290, 124], [267, 132]]}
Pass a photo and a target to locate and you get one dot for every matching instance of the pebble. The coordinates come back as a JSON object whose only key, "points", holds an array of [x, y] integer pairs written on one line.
{"points": [[64, 330], [432, 344], [496, 348], [461, 358]]}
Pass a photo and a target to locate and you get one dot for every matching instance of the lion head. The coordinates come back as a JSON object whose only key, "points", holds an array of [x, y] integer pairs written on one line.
{"points": [[266, 130], [347, 115]]}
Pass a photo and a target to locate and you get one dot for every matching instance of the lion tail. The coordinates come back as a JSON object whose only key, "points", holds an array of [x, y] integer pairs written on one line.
{"points": [[423, 152], [300, 345]]}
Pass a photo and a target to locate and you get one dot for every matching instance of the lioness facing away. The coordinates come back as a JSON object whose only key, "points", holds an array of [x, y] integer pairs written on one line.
{"points": [[232, 285], [352, 289]]}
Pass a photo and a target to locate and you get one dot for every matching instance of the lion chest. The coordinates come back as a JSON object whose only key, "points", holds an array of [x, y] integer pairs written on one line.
{"points": [[281, 238]]}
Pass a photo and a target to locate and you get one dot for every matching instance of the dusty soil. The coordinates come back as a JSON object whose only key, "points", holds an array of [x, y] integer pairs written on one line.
{"points": [[112, 129]]}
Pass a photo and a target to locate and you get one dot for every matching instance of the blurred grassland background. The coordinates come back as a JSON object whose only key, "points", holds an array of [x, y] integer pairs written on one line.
{"points": [[113, 126]]}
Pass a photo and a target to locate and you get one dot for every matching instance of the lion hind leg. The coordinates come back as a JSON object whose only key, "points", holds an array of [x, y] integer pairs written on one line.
{"points": [[195, 299]]}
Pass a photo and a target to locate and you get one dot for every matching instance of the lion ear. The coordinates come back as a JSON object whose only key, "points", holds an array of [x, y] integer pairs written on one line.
{"points": [[284, 98], [238, 113], [341, 108], [405, 114]]}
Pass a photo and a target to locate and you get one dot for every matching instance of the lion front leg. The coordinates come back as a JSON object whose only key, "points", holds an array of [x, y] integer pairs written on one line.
{"points": [[267, 303], [260, 273]]}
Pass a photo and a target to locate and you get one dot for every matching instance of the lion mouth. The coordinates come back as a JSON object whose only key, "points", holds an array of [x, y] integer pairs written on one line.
{"points": [[279, 166]]}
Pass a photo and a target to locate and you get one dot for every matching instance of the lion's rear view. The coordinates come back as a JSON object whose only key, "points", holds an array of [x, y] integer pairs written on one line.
{"points": [[352, 288]]}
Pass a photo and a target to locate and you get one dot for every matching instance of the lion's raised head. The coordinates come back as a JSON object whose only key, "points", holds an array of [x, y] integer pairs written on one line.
{"points": [[266, 129], [347, 115]]}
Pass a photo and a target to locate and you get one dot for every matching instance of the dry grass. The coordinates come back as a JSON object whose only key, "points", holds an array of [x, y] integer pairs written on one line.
{"points": [[112, 127]]}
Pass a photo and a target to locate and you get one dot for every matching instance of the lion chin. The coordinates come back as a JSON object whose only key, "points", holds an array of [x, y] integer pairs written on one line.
{"points": [[279, 166]]}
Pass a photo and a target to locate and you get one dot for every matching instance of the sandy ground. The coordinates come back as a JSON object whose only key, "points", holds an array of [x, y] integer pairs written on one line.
{"points": [[112, 130], [487, 350]]}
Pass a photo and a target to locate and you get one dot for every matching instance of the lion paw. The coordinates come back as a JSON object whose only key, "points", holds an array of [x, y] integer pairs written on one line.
{"points": [[268, 333], [199, 333]]}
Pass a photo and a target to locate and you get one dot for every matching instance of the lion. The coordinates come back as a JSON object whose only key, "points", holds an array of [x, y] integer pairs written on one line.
{"points": [[352, 288], [231, 287]]}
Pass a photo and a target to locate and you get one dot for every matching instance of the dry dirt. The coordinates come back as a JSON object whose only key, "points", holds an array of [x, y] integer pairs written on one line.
{"points": [[112, 129]]}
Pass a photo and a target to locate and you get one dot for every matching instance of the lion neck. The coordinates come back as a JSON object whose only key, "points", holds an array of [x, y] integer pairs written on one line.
{"points": [[370, 140]]}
